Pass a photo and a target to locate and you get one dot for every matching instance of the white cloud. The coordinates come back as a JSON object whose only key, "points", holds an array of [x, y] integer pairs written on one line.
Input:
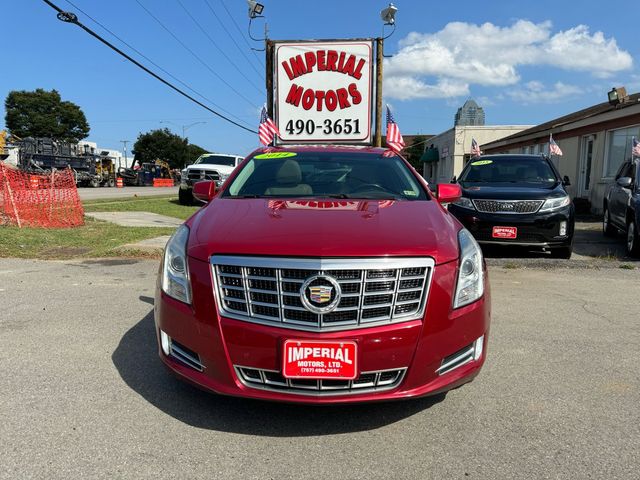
{"points": [[537, 92], [463, 54], [406, 87]]}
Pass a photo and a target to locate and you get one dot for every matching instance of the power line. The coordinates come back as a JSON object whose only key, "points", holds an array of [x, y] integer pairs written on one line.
{"points": [[231, 38], [242, 34], [71, 18], [195, 55], [152, 62], [214, 43]]}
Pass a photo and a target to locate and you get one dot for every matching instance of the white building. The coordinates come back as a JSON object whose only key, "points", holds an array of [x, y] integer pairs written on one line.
{"points": [[453, 148]]}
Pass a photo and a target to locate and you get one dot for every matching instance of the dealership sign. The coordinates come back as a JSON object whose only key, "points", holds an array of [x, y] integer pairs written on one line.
{"points": [[323, 91]]}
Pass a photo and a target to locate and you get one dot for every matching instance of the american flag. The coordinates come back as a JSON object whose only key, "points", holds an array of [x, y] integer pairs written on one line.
{"points": [[394, 139], [554, 149], [635, 147], [475, 148], [267, 128]]}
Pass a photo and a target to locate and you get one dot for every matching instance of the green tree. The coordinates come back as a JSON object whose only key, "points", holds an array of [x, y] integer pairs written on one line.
{"points": [[44, 114], [164, 145], [414, 152]]}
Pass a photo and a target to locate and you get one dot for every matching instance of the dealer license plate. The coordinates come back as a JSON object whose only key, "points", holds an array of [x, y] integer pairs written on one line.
{"points": [[504, 232], [320, 359]]}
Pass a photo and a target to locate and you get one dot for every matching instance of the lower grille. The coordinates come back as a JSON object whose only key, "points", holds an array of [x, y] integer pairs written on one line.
{"points": [[522, 237], [508, 206], [274, 381]]}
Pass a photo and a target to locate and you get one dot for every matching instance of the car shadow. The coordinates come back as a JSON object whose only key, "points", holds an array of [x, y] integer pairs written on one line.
{"points": [[137, 362]]}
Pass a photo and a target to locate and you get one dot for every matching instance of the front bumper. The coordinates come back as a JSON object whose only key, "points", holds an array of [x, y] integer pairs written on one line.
{"points": [[534, 230], [417, 347]]}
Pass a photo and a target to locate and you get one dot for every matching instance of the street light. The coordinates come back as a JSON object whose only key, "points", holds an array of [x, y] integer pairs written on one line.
{"points": [[388, 15], [255, 9], [184, 127], [617, 95]]}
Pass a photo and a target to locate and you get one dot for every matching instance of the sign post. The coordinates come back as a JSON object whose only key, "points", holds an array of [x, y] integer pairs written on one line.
{"points": [[323, 91]]}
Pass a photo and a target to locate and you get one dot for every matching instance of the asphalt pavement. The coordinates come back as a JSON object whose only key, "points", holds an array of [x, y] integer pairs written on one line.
{"points": [[87, 193], [85, 396]]}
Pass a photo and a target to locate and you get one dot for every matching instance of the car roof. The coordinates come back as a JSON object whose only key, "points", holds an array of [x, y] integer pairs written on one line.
{"points": [[323, 148], [514, 155]]}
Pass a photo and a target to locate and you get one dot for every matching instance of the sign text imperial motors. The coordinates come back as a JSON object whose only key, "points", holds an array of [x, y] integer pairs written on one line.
{"points": [[324, 91]]}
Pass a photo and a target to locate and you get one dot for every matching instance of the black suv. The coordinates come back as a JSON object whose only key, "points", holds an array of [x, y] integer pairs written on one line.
{"points": [[622, 206], [517, 200]]}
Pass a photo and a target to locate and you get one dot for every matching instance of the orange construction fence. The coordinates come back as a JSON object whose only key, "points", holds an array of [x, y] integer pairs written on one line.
{"points": [[47, 201], [163, 182]]}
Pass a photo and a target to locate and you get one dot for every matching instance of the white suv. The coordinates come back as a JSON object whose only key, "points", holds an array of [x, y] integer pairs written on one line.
{"points": [[210, 166]]}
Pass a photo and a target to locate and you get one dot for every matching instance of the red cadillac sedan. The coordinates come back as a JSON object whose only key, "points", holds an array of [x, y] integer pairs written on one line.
{"points": [[323, 275]]}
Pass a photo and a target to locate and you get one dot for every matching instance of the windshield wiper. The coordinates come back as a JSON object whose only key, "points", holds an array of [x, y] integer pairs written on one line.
{"points": [[339, 195], [254, 195]]}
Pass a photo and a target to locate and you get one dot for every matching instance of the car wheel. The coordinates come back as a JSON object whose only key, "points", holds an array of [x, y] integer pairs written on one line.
{"points": [[185, 197], [607, 229], [562, 252], [633, 240]]}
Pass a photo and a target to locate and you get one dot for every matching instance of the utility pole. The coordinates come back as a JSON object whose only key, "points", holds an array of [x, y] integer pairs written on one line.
{"points": [[126, 161], [379, 59]]}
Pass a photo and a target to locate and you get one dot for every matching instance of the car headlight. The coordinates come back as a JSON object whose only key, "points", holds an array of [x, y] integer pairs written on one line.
{"points": [[464, 202], [175, 270], [552, 204], [470, 285], [224, 176]]}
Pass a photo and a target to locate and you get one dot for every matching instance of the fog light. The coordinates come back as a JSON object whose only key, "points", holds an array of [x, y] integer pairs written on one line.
{"points": [[563, 229], [478, 345], [165, 343]]}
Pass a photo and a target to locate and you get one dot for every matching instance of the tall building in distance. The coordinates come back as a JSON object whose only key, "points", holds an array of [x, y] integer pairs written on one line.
{"points": [[470, 114]]}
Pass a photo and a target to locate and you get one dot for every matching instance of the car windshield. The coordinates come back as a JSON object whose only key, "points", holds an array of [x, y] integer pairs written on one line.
{"points": [[325, 174], [517, 171], [216, 160]]}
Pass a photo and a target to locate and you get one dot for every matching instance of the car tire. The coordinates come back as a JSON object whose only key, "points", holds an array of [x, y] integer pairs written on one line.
{"points": [[562, 252], [633, 239], [607, 229], [185, 197]]}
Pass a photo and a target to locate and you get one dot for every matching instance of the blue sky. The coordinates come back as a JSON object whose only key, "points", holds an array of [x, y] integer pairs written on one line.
{"points": [[524, 62]]}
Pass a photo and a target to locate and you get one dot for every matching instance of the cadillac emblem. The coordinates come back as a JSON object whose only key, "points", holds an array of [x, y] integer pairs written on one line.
{"points": [[320, 294]]}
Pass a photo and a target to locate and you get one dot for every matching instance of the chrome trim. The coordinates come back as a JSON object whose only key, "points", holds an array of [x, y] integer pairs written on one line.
{"points": [[503, 212], [459, 360], [296, 387], [184, 357], [275, 312]]}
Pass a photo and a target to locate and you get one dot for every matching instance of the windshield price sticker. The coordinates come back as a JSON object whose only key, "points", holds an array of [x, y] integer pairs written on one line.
{"points": [[322, 359], [323, 91], [481, 162], [264, 156]]}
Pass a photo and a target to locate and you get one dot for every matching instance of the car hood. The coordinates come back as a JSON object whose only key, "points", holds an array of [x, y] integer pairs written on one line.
{"points": [[312, 228], [211, 168], [507, 192]]}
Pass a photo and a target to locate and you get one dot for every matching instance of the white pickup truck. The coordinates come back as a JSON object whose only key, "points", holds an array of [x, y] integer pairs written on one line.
{"points": [[209, 166]]}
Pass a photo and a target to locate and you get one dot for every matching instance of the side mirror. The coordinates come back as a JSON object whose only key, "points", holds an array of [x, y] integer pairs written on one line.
{"points": [[448, 192], [204, 191], [565, 181], [454, 179], [624, 182]]}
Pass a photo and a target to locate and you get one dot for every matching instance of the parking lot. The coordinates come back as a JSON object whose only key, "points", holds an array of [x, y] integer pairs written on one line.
{"points": [[85, 396]]}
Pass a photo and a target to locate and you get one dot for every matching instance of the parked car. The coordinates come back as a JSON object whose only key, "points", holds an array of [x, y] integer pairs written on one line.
{"points": [[323, 275], [516, 200], [622, 206], [210, 166]]}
